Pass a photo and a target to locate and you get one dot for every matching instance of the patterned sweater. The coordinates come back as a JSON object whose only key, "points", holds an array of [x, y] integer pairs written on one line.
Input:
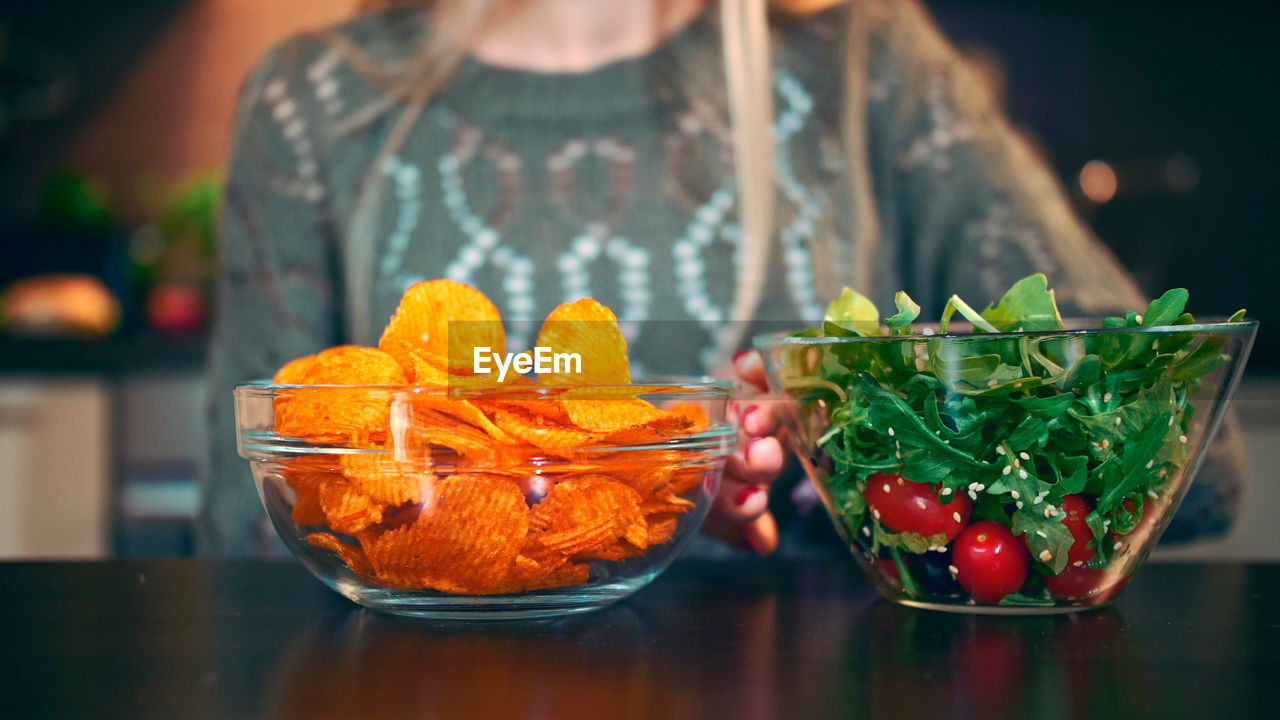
{"points": [[616, 183]]}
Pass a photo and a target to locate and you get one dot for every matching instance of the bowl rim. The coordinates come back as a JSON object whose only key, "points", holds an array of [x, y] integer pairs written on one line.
{"points": [[648, 385], [1214, 325]]}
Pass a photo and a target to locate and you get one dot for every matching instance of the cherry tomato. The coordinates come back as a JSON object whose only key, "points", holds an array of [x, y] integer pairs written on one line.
{"points": [[1075, 509], [1150, 513], [1080, 583], [990, 562], [905, 506]]}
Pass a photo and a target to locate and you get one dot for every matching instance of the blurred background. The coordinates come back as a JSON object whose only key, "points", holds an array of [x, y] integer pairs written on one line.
{"points": [[114, 122]]}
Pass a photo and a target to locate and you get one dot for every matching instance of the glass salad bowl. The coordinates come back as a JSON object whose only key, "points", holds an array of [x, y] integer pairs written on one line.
{"points": [[486, 502], [1013, 472]]}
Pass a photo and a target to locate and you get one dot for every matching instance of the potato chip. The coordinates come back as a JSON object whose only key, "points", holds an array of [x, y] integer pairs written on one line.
{"points": [[662, 527], [608, 416], [442, 316], [352, 555], [429, 427], [586, 513], [306, 508], [294, 372], [333, 415], [346, 509], [590, 330], [543, 434], [465, 540], [467, 412], [666, 503], [387, 481], [564, 575], [695, 416]]}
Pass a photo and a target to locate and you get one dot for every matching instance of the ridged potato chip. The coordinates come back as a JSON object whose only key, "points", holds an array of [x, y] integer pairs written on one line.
{"points": [[334, 415], [589, 329], [294, 372], [438, 316], [466, 538]]}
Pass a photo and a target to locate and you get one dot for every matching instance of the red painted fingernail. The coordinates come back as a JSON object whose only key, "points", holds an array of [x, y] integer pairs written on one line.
{"points": [[744, 495], [745, 414], [739, 355]]}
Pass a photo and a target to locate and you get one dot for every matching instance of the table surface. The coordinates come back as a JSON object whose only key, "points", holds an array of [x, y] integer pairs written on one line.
{"points": [[709, 639]]}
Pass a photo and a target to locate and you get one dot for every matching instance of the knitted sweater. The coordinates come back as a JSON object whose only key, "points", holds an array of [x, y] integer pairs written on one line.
{"points": [[616, 183]]}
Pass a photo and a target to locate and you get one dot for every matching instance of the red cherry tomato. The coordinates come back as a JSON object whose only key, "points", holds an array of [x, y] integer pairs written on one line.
{"points": [[1150, 513], [905, 506], [990, 562], [1075, 509], [1080, 583]]}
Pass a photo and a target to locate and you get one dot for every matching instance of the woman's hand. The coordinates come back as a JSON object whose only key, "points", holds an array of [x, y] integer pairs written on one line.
{"points": [[740, 515]]}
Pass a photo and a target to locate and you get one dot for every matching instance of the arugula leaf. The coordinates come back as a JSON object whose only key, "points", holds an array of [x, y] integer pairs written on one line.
{"points": [[907, 313], [852, 313], [1028, 305]]}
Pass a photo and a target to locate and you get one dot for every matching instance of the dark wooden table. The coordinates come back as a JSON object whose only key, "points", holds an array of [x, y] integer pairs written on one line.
{"points": [[740, 639]]}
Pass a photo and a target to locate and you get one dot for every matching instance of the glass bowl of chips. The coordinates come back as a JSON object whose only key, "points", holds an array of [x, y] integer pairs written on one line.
{"points": [[494, 502]]}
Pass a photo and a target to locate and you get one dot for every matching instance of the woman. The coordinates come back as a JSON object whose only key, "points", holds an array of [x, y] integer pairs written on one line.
{"points": [[547, 149]]}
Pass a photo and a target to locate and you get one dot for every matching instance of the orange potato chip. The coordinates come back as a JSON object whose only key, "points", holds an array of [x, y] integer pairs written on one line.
{"points": [[608, 416], [695, 416], [466, 538], [591, 330], [468, 412], [564, 575], [429, 427], [540, 432], [662, 527], [438, 316], [324, 415], [346, 509], [385, 480], [352, 555], [684, 479], [294, 372], [306, 508], [586, 513], [665, 503]]}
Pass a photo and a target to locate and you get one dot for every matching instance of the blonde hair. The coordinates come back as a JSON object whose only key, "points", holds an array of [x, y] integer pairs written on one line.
{"points": [[748, 74]]}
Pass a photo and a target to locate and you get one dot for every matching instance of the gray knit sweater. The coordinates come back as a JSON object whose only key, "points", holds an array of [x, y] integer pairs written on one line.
{"points": [[616, 183]]}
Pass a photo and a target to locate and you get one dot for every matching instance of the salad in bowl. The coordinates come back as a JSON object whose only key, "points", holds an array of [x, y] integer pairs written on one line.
{"points": [[1004, 460]]}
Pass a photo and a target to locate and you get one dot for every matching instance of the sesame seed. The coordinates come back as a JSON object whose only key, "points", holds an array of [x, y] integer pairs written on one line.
{"points": [[1017, 462], [1162, 472], [1117, 546], [1042, 534], [992, 383], [1106, 443], [1150, 463], [999, 449], [953, 569], [1024, 456], [973, 495], [1022, 474], [1106, 398], [1078, 563], [1118, 421], [900, 482], [891, 432], [1007, 469], [1045, 556], [946, 491], [1019, 504], [980, 487], [920, 504], [956, 516], [886, 487], [941, 548], [1152, 494], [1138, 318], [1182, 439], [1014, 494], [875, 514], [1048, 511], [866, 531]]}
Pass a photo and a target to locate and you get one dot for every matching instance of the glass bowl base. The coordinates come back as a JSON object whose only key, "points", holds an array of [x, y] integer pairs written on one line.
{"points": [[996, 609], [439, 606]]}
